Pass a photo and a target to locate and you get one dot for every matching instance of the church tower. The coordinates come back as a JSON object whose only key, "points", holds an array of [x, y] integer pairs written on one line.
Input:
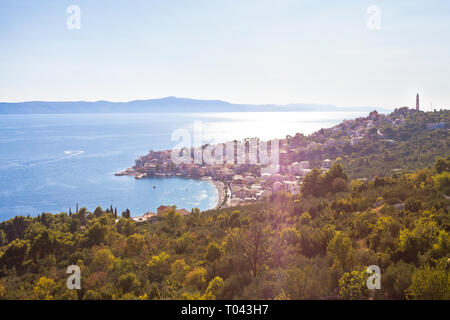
{"points": [[417, 102]]}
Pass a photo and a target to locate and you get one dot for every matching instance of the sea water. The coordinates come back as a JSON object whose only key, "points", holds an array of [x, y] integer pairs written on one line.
{"points": [[50, 163]]}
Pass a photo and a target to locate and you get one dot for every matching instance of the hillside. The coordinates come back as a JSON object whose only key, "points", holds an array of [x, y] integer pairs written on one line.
{"points": [[163, 105], [379, 144], [310, 246]]}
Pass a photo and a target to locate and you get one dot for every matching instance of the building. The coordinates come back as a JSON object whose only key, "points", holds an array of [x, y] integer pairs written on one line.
{"points": [[276, 177], [272, 169], [292, 187], [162, 209], [436, 125], [277, 186], [249, 180], [149, 216], [235, 202], [326, 164], [238, 179], [304, 164], [298, 167], [183, 212], [304, 172], [417, 102], [256, 187]]}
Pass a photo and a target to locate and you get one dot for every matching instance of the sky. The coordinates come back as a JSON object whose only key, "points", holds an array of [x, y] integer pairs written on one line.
{"points": [[240, 51]]}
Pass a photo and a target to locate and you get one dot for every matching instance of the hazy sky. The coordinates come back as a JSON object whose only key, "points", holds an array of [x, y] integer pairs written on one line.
{"points": [[243, 51]]}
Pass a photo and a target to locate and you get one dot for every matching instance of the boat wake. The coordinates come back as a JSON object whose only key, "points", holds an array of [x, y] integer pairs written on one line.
{"points": [[73, 153], [30, 163]]}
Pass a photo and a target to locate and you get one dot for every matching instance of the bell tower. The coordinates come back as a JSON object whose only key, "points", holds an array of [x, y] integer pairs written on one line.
{"points": [[417, 102]]}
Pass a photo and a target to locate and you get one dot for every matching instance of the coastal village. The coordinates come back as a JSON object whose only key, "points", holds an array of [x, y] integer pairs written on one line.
{"points": [[240, 183]]}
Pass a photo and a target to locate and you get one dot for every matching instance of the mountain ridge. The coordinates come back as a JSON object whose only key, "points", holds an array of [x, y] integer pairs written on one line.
{"points": [[161, 105]]}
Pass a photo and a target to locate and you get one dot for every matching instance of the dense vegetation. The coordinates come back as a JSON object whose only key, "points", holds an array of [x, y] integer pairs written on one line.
{"points": [[410, 145], [311, 246]]}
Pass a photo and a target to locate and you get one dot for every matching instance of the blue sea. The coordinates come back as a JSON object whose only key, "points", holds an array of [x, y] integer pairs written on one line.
{"points": [[49, 163]]}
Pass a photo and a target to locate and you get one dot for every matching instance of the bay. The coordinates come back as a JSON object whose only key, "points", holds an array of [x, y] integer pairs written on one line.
{"points": [[49, 163]]}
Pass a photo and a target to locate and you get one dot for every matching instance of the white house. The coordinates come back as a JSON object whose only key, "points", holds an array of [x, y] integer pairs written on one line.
{"points": [[327, 163]]}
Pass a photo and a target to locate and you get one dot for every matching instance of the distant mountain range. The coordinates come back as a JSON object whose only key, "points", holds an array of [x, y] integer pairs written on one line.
{"points": [[162, 105]]}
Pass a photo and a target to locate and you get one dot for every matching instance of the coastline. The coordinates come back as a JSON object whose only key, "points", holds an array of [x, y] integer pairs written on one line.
{"points": [[221, 192], [222, 189]]}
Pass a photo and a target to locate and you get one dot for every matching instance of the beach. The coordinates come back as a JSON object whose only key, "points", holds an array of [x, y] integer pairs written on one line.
{"points": [[221, 192]]}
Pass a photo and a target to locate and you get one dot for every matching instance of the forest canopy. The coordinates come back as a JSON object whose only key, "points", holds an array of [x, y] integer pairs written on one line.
{"points": [[316, 245]]}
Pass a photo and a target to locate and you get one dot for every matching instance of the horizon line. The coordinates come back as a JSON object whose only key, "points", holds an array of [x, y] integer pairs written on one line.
{"points": [[205, 100]]}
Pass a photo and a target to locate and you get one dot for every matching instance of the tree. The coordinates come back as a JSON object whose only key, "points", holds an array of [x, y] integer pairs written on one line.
{"points": [[213, 252], [340, 248], [418, 240], [34, 230], [126, 214], [305, 219], [92, 295], [442, 182], [335, 178], [413, 205], [310, 184], [96, 280], [44, 289], [98, 212], [352, 285], [431, 283], [214, 288], [254, 244], [43, 244], [178, 270], [290, 236], [397, 279], [158, 267], [441, 247], [128, 283], [182, 243], [294, 284], [172, 217], [196, 278], [234, 221], [3, 239], [442, 165], [126, 227], [81, 215], [95, 234], [103, 260], [15, 254], [135, 244], [339, 185]]}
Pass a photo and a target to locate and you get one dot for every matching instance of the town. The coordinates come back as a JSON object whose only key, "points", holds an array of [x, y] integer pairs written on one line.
{"points": [[241, 181]]}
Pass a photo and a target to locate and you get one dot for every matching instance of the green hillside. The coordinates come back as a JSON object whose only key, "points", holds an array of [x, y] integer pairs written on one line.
{"points": [[402, 140], [311, 246]]}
